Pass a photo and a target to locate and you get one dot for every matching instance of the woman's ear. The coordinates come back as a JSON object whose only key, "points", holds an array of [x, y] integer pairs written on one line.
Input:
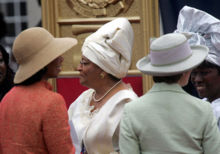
{"points": [[184, 78], [103, 74]]}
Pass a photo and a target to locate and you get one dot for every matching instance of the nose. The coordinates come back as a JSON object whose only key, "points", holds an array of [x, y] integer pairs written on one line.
{"points": [[61, 59], [79, 67], [196, 77]]}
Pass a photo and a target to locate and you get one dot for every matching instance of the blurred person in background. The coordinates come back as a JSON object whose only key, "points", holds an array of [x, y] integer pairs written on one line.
{"points": [[205, 30], [6, 73], [3, 31]]}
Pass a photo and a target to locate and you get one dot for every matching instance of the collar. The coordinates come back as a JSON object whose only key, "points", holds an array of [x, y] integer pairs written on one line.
{"points": [[167, 87], [216, 101], [44, 83]]}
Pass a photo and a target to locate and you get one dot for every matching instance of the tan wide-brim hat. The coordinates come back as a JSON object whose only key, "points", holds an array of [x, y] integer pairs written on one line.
{"points": [[171, 54], [35, 48]]}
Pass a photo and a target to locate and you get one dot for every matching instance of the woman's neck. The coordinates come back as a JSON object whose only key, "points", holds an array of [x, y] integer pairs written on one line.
{"points": [[105, 86]]}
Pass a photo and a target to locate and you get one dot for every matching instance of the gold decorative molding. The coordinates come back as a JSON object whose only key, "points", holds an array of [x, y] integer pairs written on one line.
{"points": [[132, 19], [99, 8], [87, 25], [80, 29], [48, 20], [60, 18], [151, 29], [70, 74]]}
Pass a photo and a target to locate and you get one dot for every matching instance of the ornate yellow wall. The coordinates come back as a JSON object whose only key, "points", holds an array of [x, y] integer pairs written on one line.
{"points": [[79, 18]]}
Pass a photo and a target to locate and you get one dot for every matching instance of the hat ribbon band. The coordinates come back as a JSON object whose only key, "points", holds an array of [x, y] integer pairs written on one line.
{"points": [[170, 56]]}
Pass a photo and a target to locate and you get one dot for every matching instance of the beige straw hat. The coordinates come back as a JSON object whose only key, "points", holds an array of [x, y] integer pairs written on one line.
{"points": [[171, 54], [35, 48]]}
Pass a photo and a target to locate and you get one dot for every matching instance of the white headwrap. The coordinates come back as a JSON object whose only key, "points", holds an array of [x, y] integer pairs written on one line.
{"points": [[204, 28], [110, 47]]}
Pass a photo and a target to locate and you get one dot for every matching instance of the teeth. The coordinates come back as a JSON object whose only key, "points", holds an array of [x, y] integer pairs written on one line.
{"points": [[200, 88]]}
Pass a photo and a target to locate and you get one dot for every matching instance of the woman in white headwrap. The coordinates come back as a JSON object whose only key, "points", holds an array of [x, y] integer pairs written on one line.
{"points": [[95, 115], [204, 30]]}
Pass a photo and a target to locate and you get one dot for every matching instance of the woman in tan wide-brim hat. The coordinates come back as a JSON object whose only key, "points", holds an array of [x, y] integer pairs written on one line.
{"points": [[34, 118], [167, 119]]}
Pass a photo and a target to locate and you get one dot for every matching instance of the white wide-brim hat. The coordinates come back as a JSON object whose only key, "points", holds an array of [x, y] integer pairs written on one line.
{"points": [[171, 54], [35, 48]]}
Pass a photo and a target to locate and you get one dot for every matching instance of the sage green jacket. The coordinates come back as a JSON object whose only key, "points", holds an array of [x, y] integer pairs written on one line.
{"points": [[167, 120]]}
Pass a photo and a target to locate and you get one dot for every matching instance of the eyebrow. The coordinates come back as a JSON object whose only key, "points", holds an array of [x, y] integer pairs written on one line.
{"points": [[85, 59]]}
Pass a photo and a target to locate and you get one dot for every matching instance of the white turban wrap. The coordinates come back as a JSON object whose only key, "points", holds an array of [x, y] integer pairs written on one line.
{"points": [[110, 47], [204, 28]]}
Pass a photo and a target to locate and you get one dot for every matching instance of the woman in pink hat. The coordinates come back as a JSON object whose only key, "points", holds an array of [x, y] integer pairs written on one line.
{"points": [[33, 118]]}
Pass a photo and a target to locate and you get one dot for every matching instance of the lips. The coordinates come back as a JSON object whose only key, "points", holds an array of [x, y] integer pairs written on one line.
{"points": [[81, 74], [81, 77], [59, 68], [201, 89]]}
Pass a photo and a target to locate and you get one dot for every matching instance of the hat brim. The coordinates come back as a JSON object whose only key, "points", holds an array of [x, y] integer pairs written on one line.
{"points": [[54, 49], [199, 54]]}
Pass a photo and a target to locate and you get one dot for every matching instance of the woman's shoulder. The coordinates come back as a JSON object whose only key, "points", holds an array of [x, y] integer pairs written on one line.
{"points": [[127, 94], [85, 94], [44, 91], [83, 97]]}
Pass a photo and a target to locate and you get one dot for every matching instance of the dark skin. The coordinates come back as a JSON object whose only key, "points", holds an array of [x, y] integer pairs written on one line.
{"points": [[6, 73], [3, 69], [90, 76], [206, 81]]}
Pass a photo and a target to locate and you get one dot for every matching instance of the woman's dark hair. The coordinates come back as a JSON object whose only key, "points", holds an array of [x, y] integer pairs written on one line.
{"points": [[167, 79], [34, 78], [7, 83]]}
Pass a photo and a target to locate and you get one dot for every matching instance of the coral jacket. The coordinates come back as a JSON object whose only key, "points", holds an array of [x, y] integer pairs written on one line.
{"points": [[33, 119]]}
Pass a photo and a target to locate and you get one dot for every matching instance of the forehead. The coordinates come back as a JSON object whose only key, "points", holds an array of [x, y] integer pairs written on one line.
{"points": [[203, 68], [90, 62], [84, 58]]}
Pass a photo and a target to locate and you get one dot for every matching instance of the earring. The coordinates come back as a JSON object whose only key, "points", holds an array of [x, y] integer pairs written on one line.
{"points": [[102, 75]]}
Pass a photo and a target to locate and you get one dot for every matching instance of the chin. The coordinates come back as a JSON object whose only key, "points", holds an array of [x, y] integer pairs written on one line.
{"points": [[1, 80], [81, 81], [53, 76], [202, 96]]}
